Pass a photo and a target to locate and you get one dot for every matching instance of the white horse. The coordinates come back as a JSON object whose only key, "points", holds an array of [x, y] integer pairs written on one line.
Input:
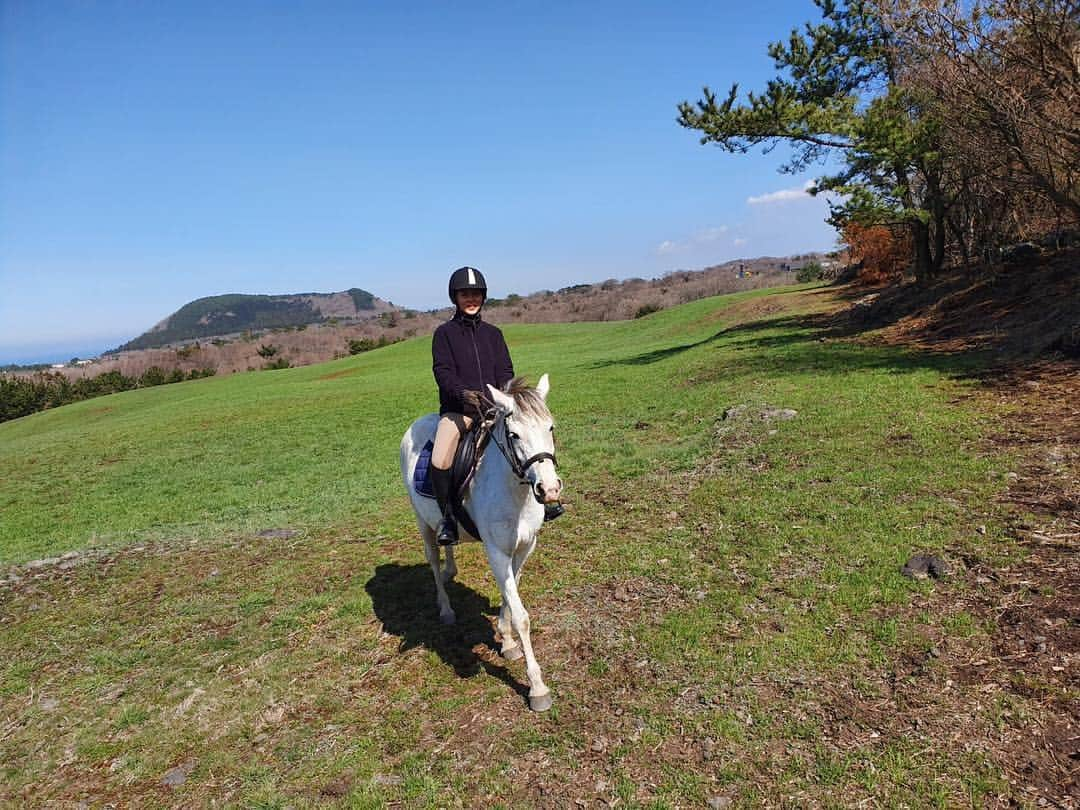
{"points": [[507, 513]]}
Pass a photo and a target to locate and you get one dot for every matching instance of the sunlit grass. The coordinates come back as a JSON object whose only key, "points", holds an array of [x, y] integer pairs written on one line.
{"points": [[312, 668]]}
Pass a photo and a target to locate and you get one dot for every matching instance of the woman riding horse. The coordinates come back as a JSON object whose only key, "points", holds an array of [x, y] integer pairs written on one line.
{"points": [[467, 353]]}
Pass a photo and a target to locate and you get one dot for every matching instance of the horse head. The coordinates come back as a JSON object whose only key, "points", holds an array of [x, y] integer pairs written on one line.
{"points": [[528, 439]]}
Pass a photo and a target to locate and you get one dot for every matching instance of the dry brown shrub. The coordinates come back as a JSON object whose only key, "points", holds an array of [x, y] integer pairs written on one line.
{"points": [[884, 252]]}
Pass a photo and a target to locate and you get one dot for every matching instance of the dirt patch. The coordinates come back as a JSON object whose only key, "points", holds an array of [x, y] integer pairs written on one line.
{"points": [[1015, 310], [345, 372], [1036, 603]]}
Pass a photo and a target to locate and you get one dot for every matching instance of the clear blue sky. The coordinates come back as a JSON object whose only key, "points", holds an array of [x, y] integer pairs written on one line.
{"points": [[154, 153]]}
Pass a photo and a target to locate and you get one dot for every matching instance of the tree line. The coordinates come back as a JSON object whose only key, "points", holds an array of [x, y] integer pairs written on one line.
{"points": [[956, 122], [21, 396]]}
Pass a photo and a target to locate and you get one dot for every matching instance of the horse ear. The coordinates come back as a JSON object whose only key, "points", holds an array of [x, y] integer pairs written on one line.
{"points": [[543, 386], [504, 401]]}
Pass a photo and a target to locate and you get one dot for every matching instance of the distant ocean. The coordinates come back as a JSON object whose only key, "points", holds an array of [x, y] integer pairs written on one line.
{"points": [[34, 354]]}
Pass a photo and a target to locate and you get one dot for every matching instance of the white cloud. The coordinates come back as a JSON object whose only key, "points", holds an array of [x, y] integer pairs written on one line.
{"points": [[709, 234], [784, 195], [739, 242], [703, 237]]}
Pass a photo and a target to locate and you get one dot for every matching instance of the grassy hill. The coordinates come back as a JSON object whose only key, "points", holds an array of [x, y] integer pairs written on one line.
{"points": [[720, 593], [228, 314]]}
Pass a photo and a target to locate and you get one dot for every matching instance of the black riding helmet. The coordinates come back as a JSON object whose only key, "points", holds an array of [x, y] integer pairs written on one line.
{"points": [[466, 278]]}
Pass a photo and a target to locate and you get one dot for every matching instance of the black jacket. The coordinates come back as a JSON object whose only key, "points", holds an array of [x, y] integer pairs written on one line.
{"points": [[468, 354]]}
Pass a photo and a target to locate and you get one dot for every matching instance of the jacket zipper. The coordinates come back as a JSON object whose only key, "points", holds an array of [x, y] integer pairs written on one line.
{"points": [[476, 351]]}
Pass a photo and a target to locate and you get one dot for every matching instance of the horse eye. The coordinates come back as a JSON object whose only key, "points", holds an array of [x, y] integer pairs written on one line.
{"points": [[514, 436]]}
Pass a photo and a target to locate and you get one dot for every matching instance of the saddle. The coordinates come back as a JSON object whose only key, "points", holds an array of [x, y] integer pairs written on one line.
{"points": [[469, 452]]}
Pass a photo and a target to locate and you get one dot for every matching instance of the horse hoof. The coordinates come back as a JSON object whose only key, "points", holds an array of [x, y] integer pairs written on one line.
{"points": [[512, 653], [447, 618], [540, 703]]}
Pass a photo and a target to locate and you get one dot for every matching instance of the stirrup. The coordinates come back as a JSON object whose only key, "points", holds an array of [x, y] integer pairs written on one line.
{"points": [[447, 533], [553, 510]]}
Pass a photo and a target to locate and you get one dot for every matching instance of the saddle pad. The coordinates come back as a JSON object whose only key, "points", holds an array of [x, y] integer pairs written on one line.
{"points": [[421, 479]]}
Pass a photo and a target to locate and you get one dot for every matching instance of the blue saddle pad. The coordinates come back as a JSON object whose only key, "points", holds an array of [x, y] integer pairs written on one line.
{"points": [[421, 479]]}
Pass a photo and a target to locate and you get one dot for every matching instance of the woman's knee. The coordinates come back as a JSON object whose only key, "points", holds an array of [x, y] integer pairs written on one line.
{"points": [[447, 437]]}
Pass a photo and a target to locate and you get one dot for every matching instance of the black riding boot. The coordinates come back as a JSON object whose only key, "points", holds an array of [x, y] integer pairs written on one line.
{"points": [[552, 511], [446, 534]]}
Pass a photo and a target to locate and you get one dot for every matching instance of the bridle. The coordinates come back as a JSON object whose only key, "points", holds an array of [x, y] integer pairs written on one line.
{"points": [[512, 453]]}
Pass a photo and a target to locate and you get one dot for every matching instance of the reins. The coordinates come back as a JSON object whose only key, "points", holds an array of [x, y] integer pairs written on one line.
{"points": [[492, 415]]}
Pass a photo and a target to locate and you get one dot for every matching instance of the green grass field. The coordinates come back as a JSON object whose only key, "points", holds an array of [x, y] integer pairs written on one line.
{"points": [[714, 582]]}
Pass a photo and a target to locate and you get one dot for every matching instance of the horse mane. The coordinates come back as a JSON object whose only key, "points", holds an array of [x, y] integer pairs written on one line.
{"points": [[527, 400]]}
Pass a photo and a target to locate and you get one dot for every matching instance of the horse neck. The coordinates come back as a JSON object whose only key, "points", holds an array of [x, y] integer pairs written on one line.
{"points": [[495, 477]]}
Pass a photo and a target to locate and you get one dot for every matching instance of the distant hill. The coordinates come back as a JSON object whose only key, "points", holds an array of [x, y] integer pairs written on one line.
{"points": [[228, 314]]}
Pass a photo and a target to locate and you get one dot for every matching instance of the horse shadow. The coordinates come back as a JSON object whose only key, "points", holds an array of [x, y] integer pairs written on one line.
{"points": [[403, 598]]}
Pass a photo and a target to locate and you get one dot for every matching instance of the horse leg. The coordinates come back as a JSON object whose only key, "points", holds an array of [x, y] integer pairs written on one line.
{"points": [[503, 569], [431, 551], [511, 650], [450, 569]]}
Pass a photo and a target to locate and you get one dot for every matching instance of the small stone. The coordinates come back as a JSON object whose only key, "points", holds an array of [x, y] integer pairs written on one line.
{"points": [[923, 566], [735, 412], [783, 414], [71, 555], [43, 562], [980, 529], [601, 786], [276, 534], [720, 802], [49, 704], [386, 779], [175, 777], [214, 573]]}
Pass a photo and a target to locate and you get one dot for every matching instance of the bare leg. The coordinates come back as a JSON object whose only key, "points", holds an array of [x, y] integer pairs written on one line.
{"points": [[431, 551], [502, 568]]}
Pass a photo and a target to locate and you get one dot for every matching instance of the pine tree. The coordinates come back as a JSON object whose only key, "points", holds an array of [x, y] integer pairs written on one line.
{"points": [[839, 89]]}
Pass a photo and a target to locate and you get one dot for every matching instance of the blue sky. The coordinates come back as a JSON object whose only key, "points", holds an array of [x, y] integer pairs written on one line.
{"points": [[154, 153]]}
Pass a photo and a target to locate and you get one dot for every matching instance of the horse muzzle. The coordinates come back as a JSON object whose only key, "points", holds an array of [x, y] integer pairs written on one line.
{"points": [[550, 494]]}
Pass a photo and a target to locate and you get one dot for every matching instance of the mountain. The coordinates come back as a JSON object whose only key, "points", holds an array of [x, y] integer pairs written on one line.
{"points": [[220, 315]]}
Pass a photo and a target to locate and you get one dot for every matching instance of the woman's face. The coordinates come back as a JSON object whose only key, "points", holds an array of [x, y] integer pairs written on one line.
{"points": [[469, 301]]}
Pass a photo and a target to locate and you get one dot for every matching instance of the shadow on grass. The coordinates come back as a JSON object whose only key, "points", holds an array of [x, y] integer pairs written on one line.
{"points": [[796, 343], [403, 598]]}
